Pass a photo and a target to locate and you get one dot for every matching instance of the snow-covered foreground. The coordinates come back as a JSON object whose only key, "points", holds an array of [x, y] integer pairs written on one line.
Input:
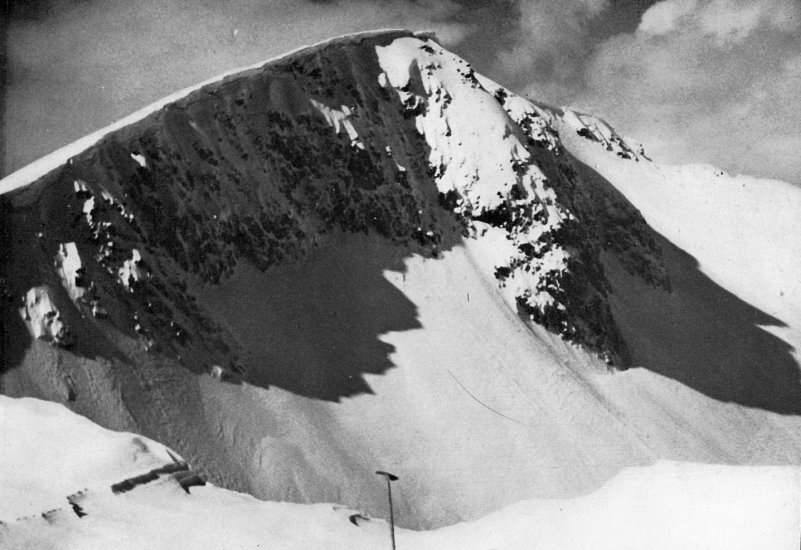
{"points": [[50, 453]]}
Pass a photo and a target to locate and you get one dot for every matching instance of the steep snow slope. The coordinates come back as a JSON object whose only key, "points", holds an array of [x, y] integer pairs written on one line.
{"points": [[386, 261], [739, 238], [669, 505], [742, 230]]}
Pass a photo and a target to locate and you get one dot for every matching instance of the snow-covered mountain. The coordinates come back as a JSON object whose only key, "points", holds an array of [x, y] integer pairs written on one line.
{"points": [[364, 255]]}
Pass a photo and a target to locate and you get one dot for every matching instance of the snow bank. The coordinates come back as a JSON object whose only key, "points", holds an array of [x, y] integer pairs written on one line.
{"points": [[49, 452], [665, 506]]}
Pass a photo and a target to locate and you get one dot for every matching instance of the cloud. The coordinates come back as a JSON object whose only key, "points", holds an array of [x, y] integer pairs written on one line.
{"points": [[724, 20], [696, 80], [552, 40], [665, 16], [710, 82], [76, 66]]}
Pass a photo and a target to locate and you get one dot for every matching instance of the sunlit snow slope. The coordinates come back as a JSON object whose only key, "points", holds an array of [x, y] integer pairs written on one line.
{"points": [[79, 486], [366, 256]]}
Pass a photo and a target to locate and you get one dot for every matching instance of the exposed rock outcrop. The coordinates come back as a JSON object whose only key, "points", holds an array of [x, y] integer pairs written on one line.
{"points": [[43, 318]]}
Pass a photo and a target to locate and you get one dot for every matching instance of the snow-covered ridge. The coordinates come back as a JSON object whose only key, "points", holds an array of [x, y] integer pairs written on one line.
{"points": [[597, 129], [35, 170]]}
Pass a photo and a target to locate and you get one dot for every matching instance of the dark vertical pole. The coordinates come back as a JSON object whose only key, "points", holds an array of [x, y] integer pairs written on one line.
{"points": [[5, 23], [390, 479], [391, 513]]}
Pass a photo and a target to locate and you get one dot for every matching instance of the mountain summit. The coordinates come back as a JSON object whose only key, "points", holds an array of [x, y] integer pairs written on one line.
{"points": [[366, 254], [260, 167]]}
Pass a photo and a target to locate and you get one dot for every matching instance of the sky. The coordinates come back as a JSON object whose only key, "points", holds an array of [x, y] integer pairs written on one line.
{"points": [[713, 81]]}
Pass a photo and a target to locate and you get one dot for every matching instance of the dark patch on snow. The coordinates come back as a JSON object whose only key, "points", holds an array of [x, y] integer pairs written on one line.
{"points": [[179, 471], [78, 510]]}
